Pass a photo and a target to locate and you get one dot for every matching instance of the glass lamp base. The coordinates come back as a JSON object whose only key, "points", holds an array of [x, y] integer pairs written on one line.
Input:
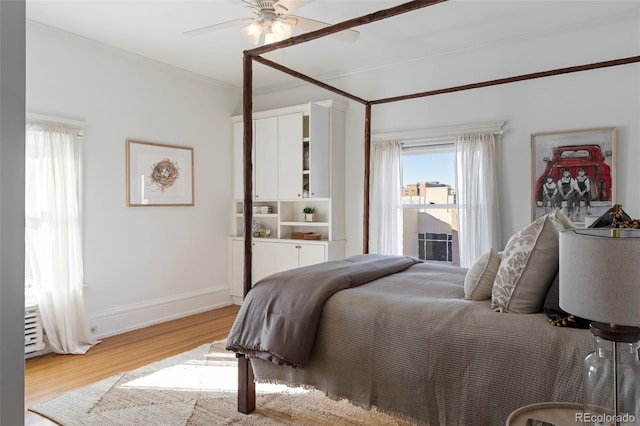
{"points": [[612, 377]]}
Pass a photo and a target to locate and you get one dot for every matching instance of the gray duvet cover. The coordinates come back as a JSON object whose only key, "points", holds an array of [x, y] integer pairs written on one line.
{"points": [[409, 344], [278, 320]]}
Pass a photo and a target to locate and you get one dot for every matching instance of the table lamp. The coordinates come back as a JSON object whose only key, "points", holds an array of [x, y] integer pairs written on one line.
{"points": [[600, 280]]}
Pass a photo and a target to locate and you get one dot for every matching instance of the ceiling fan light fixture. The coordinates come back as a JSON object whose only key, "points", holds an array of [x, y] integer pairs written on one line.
{"points": [[269, 37], [252, 32], [272, 23], [280, 30]]}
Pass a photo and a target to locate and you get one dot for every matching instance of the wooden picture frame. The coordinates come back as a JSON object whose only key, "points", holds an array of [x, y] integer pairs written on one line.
{"points": [[159, 174], [574, 170]]}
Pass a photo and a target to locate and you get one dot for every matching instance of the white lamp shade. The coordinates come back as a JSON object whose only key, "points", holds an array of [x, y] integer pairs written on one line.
{"points": [[600, 275]]}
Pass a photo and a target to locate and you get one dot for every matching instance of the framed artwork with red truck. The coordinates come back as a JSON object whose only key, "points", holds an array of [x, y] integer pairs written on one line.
{"points": [[573, 170]]}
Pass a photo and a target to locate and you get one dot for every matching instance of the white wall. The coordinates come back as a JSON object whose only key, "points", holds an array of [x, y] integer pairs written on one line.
{"points": [[604, 97], [142, 264], [12, 212]]}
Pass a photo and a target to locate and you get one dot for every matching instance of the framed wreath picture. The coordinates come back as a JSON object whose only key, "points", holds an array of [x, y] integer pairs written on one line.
{"points": [[574, 170], [159, 175]]}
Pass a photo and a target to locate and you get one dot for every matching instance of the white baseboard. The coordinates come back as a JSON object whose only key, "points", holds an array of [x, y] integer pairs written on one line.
{"points": [[135, 316]]}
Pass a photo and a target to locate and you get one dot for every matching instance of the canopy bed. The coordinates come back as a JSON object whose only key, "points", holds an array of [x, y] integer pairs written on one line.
{"points": [[470, 329]]}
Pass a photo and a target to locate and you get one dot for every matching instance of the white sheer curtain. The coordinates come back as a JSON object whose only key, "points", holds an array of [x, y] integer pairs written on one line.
{"points": [[53, 235], [477, 195], [385, 217]]}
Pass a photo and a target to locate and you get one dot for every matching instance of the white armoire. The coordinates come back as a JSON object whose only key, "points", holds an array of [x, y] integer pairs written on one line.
{"points": [[298, 162]]}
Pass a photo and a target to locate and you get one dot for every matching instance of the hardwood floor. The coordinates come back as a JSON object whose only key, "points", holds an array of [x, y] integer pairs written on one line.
{"points": [[51, 375]]}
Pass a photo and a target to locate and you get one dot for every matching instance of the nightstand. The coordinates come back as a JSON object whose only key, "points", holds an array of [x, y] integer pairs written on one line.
{"points": [[556, 413]]}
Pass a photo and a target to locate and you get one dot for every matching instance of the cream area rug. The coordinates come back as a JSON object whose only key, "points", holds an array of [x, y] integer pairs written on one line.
{"points": [[198, 387]]}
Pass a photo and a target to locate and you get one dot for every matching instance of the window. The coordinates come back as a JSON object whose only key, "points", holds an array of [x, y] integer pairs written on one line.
{"points": [[448, 178], [430, 225]]}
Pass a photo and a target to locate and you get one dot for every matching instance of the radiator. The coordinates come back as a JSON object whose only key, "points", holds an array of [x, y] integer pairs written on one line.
{"points": [[33, 332]]}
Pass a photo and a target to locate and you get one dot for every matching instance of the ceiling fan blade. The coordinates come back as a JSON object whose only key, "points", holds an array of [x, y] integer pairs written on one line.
{"points": [[289, 5], [246, 3], [307, 24], [216, 27]]}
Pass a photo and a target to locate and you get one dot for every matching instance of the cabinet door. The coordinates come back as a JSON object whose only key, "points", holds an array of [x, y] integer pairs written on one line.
{"points": [[263, 260], [319, 139], [286, 256], [290, 138], [266, 158], [237, 267], [310, 254]]}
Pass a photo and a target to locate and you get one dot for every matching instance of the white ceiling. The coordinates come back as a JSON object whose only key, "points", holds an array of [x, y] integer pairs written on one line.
{"points": [[154, 29]]}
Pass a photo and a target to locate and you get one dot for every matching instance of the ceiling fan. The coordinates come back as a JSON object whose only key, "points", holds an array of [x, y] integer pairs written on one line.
{"points": [[272, 23]]}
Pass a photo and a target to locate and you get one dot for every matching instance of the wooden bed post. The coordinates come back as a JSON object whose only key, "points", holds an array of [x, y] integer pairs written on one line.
{"points": [[246, 385], [367, 167]]}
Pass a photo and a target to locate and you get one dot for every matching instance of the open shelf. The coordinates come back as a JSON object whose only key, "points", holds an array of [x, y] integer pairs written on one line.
{"points": [[304, 223], [287, 217]]}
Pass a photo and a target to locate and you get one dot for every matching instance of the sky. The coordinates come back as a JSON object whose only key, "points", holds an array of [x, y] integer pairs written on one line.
{"points": [[427, 168]]}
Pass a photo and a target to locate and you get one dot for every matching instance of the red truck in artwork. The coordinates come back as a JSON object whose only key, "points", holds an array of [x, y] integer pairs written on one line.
{"points": [[573, 157]]}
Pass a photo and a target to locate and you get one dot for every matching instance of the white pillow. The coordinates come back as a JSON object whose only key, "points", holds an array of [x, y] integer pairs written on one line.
{"points": [[479, 279], [560, 220], [527, 268]]}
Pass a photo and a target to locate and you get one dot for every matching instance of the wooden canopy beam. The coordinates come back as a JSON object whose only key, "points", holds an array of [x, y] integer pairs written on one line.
{"points": [[345, 25], [306, 78], [523, 77]]}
